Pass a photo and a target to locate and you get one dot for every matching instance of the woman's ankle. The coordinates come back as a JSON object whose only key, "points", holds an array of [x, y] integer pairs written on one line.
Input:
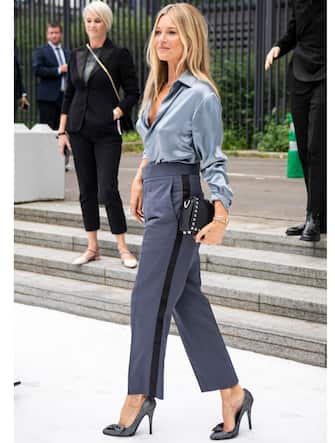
{"points": [[229, 394], [135, 400]]}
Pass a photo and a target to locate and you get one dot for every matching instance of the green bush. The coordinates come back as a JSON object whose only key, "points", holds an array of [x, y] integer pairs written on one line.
{"points": [[237, 98], [131, 136], [274, 138], [232, 141]]}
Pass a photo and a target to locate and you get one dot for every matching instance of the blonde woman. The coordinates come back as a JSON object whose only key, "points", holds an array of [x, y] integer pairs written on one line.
{"points": [[88, 125], [180, 123]]}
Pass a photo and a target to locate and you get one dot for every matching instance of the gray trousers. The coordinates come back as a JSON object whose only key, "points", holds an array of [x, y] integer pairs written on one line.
{"points": [[168, 283]]}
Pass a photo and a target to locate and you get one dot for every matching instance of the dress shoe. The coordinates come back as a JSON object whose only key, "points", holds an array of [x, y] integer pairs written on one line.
{"points": [[147, 408], [312, 228], [218, 431], [295, 230]]}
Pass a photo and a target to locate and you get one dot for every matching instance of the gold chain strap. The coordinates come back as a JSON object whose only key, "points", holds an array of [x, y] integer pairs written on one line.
{"points": [[104, 68]]}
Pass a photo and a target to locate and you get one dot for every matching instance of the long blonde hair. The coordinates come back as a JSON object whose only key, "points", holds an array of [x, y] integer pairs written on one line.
{"points": [[193, 32]]}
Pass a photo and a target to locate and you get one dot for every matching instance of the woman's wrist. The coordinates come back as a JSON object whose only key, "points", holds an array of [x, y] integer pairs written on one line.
{"points": [[138, 175], [219, 209], [222, 219], [61, 133]]}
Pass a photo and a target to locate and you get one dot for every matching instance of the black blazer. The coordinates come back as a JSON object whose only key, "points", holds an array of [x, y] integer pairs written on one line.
{"points": [[306, 34], [92, 104], [45, 67]]}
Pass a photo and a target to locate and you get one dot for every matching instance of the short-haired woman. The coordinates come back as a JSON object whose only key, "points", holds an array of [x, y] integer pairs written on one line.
{"points": [[181, 124], [89, 126]]}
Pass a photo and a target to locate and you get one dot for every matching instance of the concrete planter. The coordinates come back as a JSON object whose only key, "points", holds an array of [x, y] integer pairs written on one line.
{"points": [[39, 168]]}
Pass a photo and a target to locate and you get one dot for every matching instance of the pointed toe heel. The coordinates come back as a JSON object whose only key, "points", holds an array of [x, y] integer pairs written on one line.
{"points": [[218, 432], [147, 408]]}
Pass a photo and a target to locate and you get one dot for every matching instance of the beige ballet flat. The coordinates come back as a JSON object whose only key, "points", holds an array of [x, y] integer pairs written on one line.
{"points": [[87, 256], [127, 259]]}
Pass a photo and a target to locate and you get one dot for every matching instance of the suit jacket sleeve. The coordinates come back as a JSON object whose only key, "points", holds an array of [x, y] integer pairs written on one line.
{"points": [[20, 86], [40, 69], [289, 40], [128, 81], [70, 89]]}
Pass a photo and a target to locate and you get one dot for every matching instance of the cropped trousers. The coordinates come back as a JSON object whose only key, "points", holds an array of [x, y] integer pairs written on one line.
{"points": [[168, 283], [96, 160]]}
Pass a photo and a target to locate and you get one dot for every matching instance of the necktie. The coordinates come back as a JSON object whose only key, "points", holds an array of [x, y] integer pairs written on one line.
{"points": [[61, 61]]}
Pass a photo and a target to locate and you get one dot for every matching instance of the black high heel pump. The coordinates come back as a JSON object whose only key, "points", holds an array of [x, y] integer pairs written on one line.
{"points": [[147, 408], [218, 432]]}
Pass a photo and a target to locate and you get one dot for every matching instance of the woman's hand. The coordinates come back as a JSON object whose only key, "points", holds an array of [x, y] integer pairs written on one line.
{"points": [[272, 54], [63, 141], [117, 113], [136, 199], [211, 234]]}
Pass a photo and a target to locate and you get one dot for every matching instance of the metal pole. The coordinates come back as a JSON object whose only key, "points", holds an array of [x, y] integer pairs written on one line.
{"points": [[259, 66], [67, 23], [155, 9], [268, 34]]}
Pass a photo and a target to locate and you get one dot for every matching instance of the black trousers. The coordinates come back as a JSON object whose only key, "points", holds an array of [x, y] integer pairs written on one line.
{"points": [[96, 160], [308, 103], [50, 111]]}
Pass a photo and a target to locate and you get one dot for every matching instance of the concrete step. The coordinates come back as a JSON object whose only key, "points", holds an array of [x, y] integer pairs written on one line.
{"points": [[262, 234], [305, 303], [276, 266], [253, 331]]}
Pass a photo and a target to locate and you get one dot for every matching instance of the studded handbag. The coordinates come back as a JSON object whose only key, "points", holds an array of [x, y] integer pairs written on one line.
{"points": [[196, 213]]}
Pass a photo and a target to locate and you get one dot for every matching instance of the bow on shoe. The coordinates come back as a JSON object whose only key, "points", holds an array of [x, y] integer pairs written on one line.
{"points": [[218, 428], [115, 428]]}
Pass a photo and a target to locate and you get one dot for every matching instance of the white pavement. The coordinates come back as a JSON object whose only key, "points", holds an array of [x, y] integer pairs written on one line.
{"points": [[74, 380]]}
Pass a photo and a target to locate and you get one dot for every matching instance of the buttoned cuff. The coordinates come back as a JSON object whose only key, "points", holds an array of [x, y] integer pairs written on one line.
{"points": [[226, 201]]}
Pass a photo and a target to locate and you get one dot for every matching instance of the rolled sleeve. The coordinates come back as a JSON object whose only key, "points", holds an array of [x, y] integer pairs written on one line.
{"points": [[207, 132]]}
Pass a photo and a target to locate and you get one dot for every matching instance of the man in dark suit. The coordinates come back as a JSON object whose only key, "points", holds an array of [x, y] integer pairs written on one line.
{"points": [[20, 94], [306, 34], [50, 67]]}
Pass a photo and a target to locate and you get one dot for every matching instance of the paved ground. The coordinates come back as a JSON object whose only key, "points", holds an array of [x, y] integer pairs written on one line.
{"points": [[74, 374], [260, 186]]}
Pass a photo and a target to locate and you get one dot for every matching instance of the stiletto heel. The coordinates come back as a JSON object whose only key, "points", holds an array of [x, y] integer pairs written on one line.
{"points": [[147, 408], [150, 422], [249, 418], [218, 432]]}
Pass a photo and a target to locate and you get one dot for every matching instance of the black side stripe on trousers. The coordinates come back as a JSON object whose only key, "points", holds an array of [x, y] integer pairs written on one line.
{"points": [[164, 299]]}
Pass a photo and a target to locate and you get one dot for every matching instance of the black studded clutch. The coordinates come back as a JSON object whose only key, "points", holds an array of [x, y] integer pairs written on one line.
{"points": [[196, 213]]}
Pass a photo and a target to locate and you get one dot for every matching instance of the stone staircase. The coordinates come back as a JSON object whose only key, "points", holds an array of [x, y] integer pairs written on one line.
{"points": [[267, 291]]}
